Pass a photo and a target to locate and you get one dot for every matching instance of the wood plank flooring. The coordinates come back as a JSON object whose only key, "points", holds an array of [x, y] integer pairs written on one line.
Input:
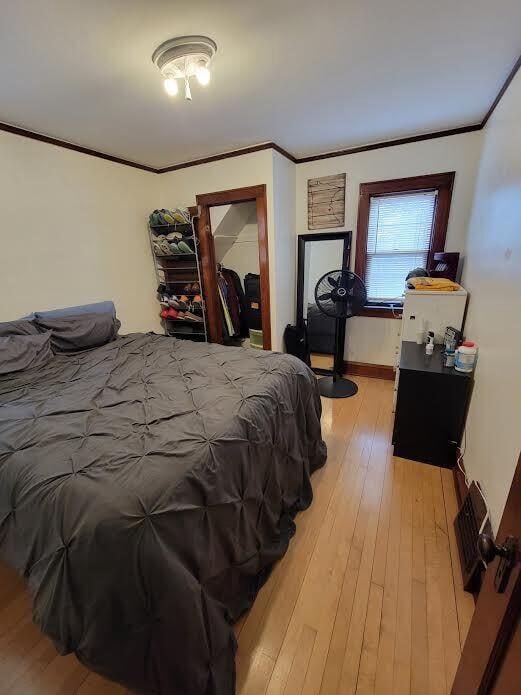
{"points": [[368, 599]]}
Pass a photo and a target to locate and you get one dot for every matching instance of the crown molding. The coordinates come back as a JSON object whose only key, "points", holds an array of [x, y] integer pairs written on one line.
{"points": [[391, 143], [23, 132], [16, 130], [227, 155], [503, 89]]}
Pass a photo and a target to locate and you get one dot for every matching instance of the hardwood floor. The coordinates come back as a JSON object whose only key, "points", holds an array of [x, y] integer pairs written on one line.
{"points": [[368, 599]]}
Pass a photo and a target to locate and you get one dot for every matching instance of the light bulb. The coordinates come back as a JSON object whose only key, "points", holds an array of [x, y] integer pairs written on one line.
{"points": [[171, 87], [203, 75], [188, 93]]}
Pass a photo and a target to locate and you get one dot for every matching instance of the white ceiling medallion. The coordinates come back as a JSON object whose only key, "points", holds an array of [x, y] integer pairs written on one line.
{"points": [[182, 58]]}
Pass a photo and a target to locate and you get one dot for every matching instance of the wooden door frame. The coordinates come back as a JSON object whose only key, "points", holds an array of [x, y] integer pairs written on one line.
{"points": [[208, 263], [496, 616]]}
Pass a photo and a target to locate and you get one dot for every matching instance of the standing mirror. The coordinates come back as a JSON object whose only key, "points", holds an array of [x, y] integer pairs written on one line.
{"points": [[318, 254]]}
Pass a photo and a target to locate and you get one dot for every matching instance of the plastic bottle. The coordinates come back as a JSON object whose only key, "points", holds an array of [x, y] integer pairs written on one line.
{"points": [[429, 348], [466, 356]]}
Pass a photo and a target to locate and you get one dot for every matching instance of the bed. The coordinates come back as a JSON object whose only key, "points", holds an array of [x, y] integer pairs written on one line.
{"points": [[146, 488]]}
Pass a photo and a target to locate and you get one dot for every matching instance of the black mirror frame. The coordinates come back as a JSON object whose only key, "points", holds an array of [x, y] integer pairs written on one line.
{"points": [[346, 236]]}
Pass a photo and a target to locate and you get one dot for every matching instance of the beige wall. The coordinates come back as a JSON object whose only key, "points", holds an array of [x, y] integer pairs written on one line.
{"points": [[73, 231], [86, 238], [374, 340], [493, 277]]}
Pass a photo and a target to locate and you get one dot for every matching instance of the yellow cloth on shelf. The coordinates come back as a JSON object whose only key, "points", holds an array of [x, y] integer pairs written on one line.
{"points": [[440, 284]]}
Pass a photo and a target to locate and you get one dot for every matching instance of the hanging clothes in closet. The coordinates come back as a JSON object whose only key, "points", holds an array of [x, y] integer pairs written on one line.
{"points": [[238, 299], [232, 304]]}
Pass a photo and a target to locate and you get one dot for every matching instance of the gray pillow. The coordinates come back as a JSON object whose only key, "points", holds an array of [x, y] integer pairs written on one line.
{"points": [[18, 327], [97, 308], [19, 352], [80, 332]]}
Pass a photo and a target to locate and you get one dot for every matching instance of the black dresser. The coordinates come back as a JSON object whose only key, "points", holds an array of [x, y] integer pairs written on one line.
{"points": [[431, 407]]}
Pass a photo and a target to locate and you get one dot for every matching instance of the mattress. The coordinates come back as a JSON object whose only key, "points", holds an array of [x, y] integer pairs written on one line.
{"points": [[146, 488]]}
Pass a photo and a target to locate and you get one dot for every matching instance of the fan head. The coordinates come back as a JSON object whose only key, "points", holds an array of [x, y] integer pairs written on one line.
{"points": [[341, 294]]}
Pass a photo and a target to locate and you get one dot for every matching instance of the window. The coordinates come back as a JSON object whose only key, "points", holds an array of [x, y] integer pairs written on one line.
{"points": [[401, 223]]}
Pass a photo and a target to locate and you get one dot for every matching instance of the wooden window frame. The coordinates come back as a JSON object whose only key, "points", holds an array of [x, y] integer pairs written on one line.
{"points": [[443, 183]]}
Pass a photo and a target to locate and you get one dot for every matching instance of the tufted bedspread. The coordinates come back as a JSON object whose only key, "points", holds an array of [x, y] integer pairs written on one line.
{"points": [[146, 487]]}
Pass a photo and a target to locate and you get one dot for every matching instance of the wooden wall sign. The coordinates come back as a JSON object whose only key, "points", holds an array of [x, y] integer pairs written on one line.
{"points": [[326, 202]]}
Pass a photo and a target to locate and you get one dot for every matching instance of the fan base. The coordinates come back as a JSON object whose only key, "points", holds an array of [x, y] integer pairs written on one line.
{"points": [[341, 388]]}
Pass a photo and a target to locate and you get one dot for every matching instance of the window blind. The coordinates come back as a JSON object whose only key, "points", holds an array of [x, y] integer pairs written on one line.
{"points": [[398, 240]]}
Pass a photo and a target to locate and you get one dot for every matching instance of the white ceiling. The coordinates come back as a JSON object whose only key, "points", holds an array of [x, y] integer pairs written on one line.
{"points": [[312, 76]]}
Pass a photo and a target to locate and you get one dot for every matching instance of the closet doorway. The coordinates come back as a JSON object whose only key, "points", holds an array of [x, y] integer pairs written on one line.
{"points": [[233, 243]]}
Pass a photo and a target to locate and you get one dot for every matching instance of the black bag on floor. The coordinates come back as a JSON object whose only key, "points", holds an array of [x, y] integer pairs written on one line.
{"points": [[296, 342]]}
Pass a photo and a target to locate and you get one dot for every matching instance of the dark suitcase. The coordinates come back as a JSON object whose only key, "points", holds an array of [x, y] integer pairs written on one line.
{"points": [[253, 300]]}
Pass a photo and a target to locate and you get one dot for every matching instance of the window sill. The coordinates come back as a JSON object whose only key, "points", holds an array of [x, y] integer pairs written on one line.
{"points": [[382, 312]]}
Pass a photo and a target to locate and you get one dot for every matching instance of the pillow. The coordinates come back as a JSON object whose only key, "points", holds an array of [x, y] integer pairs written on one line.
{"points": [[98, 308], [79, 332], [19, 327], [19, 352]]}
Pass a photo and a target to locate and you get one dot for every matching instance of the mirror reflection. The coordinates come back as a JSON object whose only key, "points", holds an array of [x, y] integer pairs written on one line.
{"points": [[319, 254]]}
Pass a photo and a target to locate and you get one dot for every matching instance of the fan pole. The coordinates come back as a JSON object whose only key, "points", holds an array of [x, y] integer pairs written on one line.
{"points": [[336, 372]]}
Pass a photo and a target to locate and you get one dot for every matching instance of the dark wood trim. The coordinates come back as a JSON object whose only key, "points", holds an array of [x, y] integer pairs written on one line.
{"points": [[443, 183], [233, 195], [497, 614], [391, 143], [382, 312], [503, 89], [284, 153], [425, 182], [209, 277], [15, 130], [375, 371], [208, 262], [227, 155], [264, 266]]}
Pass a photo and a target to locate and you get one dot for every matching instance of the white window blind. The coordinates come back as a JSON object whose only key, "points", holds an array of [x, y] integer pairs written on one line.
{"points": [[398, 240]]}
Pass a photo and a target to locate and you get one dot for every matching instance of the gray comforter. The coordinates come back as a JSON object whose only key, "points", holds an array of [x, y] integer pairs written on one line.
{"points": [[146, 487]]}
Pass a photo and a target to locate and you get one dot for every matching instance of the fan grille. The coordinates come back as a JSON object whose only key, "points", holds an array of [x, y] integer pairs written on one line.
{"points": [[341, 294]]}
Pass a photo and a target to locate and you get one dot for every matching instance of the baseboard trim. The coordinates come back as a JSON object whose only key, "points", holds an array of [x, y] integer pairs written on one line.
{"points": [[375, 371]]}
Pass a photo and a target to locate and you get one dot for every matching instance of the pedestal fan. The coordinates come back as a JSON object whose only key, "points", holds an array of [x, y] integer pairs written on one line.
{"points": [[341, 294]]}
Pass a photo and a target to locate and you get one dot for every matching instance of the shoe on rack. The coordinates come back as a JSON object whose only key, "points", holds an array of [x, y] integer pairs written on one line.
{"points": [[192, 317], [172, 313], [184, 247], [164, 314]]}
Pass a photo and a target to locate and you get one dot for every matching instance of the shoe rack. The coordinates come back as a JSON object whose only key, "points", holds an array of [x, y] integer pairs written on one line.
{"points": [[180, 273]]}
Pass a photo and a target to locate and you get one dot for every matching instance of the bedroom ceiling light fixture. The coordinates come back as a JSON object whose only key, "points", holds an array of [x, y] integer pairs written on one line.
{"points": [[183, 58]]}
